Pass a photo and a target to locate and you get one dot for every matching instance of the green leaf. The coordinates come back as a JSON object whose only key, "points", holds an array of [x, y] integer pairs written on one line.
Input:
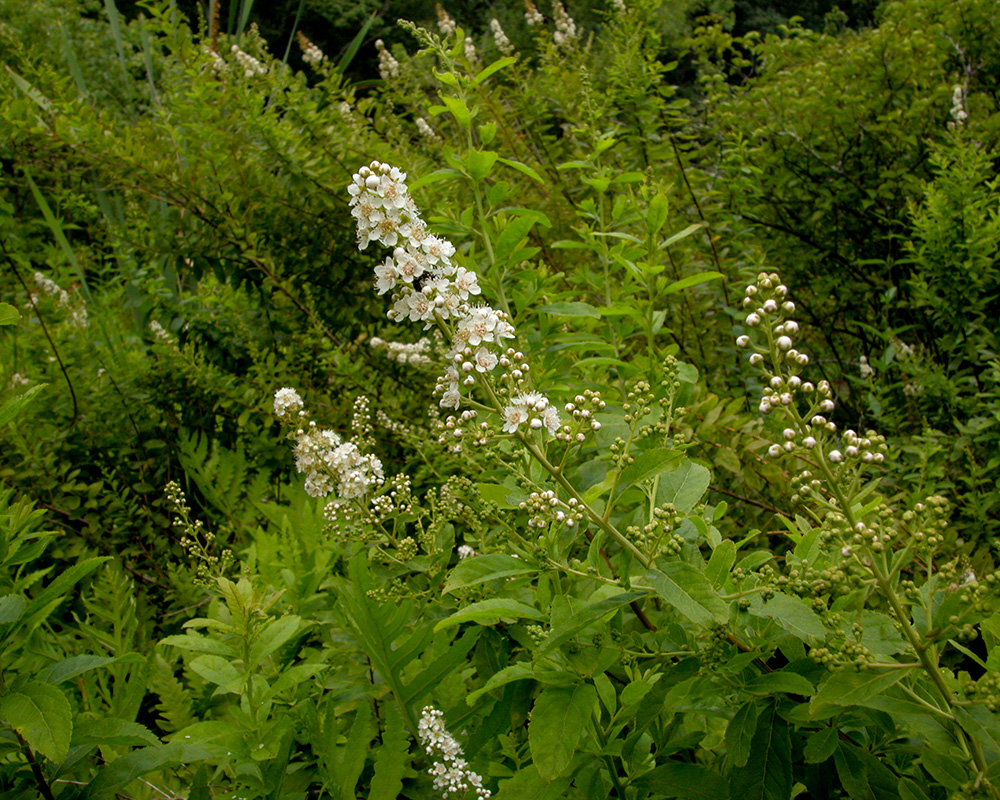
{"points": [[11, 608], [40, 100], [459, 110], [199, 644], [219, 671], [479, 569], [577, 309], [513, 233], [272, 636], [648, 465], [688, 591], [692, 280], [521, 671], [687, 781], [111, 731], [524, 169], [44, 602], [739, 733], [821, 745], [768, 772], [15, 405], [392, 758], [558, 720], [684, 486], [42, 715], [656, 215], [9, 315], [722, 560], [910, 790], [493, 68], [480, 163], [496, 493], [853, 688], [351, 761], [774, 682], [585, 617], [122, 771], [528, 784], [794, 616], [489, 612], [862, 775], [681, 235], [69, 668], [444, 665]]}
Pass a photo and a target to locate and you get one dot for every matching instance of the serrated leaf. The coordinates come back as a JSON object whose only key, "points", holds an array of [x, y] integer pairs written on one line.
{"points": [[585, 617], [648, 465], [794, 616], [558, 719], [489, 612], [820, 745], [571, 309], [768, 772], [217, 670], [42, 715], [781, 681], [684, 486], [11, 608], [852, 688], [392, 758], [69, 668], [687, 781], [688, 591], [739, 733], [479, 569], [111, 731], [122, 771], [272, 636], [528, 784]]}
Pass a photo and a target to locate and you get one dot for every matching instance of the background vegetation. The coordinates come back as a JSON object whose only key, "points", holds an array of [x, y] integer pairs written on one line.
{"points": [[176, 245]]}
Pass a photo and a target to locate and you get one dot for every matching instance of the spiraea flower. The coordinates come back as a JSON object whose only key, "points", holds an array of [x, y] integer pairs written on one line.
{"points": [[250, 65], [311, 54], [532, 15], [500, 38], [445, 23], [424, 129], [958, 111], [388, 66], [425, 285], [565, 31], [452, 774]]}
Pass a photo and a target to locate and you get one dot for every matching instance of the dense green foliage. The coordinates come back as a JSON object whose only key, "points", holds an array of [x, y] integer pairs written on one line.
{"points": [[618, 559]]}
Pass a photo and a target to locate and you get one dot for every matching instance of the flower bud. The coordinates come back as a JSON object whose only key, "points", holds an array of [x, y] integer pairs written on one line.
{"points": [[784, 342], [835, 456]]}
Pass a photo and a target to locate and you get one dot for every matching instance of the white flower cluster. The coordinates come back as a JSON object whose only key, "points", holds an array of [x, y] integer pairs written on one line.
{"points": [[425, 130], [531, 408], [500, 38], [414, 354], [330, 464], [250, 65], [958, 113], [17, 379], [565, 31], [160, 333], [452, 775], [72, 302], [445, 23], [619, 6], [311, 54], [470, 50], [219, 65], [465, 551], [388, 67], [426, 286], [532, 15]]}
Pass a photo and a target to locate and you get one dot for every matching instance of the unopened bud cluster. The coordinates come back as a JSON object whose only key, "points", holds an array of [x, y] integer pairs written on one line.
{"points": [[545, 507]]}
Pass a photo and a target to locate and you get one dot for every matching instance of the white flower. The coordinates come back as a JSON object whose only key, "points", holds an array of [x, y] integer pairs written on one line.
{"points": [[532, 16], [513, 416], [485, 360], [550, 418], [464, 551], [500, 38], [286, 403]]}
